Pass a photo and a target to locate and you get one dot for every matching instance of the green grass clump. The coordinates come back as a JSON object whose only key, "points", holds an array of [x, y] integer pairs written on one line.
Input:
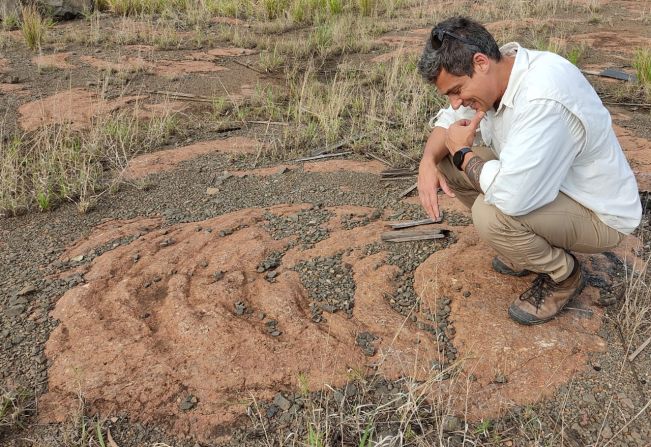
{"points": [[642, 64], [33, 26], [575, 54]]}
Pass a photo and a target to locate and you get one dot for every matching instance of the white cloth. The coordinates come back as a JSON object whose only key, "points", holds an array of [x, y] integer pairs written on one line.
{"points": [[551, 133]]}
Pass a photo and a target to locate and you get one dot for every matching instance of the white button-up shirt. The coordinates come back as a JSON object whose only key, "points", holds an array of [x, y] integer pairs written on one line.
{"points": [[551, 133]]}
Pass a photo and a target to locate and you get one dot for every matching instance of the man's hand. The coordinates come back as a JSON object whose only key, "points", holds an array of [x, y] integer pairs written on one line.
{"points": [[462, 133], [429, 180]]}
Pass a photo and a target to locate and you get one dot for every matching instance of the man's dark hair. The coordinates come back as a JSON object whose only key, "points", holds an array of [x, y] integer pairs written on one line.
{"points": [[455, 55]]}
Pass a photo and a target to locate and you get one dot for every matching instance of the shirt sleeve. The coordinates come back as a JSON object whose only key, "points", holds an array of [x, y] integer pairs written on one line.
{"points": [[539, 152]]}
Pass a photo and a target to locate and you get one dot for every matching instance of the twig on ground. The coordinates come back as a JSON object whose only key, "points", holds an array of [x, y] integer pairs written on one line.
{"points": [[413, 235], [407, 191], [317, 157], [397, 178], [271, 123], [400, 152], [341, 143], [412, 223], [249, 67], [639, 349], [182, 96], [380, 159], [629, 104], [399, 172]]}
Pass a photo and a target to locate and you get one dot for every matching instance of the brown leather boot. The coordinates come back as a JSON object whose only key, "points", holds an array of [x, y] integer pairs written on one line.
{"points": [[546, 298], [501, 265]]}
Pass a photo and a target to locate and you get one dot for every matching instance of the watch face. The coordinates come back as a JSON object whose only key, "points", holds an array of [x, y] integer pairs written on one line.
{"points": [[457, 159]]}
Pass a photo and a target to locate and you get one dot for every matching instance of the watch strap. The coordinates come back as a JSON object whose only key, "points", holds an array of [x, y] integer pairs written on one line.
{"points": [[459, 156]]}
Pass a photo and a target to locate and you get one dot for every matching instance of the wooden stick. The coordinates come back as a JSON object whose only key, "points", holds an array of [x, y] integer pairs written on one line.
{"points": [[182, 96], [407, 235], [399, 152], [248, 66], [273, 123], [317, 157], [640, 349], [393, 179], [412, 223], [342, 143], [380, 159], [629, 104], [408, 190], [397, 172]]}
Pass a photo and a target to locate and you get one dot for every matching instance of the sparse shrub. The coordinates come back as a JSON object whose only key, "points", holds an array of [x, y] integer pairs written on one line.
{"points": [[33, 27]]}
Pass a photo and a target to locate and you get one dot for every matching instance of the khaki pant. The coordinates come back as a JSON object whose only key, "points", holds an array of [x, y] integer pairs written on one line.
{"points": [[536, 241]]}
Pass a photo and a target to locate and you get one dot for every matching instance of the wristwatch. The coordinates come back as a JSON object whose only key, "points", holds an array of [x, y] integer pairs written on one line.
{"points": [[458, 157]]}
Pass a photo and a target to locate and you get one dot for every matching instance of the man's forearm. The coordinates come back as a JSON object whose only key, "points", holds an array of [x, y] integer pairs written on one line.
{"points": [[435, 149], [472, 167]]}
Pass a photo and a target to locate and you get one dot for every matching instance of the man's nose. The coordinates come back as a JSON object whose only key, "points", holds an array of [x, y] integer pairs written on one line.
{"points": [[455, 102]]}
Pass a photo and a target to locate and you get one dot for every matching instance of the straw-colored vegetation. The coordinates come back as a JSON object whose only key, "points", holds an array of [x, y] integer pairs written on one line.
{"points": [[380, 107], [33, 26], [642, 64], [16, 405], [58, 163]]}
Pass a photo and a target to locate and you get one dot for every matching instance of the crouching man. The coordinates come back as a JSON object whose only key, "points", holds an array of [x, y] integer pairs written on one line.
{"points": [[550, 176]]}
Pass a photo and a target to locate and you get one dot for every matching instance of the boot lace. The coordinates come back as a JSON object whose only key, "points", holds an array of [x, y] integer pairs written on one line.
{"points": [[540, 289]]}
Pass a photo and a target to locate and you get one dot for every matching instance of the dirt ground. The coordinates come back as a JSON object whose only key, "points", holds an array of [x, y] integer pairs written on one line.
{"points": [[218, 297]]}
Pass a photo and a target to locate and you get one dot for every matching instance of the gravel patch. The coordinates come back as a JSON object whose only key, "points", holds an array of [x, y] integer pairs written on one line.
{"points": [[330, 284]]}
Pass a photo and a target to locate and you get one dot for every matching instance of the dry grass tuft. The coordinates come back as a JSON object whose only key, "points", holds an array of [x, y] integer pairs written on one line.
{"points": [[58, 163], [16, 405], [33, 26], [386, 103], [642, 64]]}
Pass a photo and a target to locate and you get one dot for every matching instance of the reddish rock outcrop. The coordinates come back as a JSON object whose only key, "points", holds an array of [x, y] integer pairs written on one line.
{"points": [[165, 160], [76, 107], [154, 323], [638, 153], [143, 332], [56, 60]]}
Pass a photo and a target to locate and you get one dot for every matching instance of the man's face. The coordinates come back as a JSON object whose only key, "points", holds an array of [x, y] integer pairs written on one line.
{"points": [[476, 92]]}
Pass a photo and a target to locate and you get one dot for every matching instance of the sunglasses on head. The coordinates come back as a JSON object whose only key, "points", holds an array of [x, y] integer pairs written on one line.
{"points": [[439, 34]]}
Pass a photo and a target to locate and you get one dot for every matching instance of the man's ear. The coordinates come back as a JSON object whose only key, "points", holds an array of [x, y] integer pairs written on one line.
{"points": [[480, 62]]}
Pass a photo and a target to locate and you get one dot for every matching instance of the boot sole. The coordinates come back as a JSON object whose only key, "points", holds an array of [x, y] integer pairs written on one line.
{"points": [[528, 320]]}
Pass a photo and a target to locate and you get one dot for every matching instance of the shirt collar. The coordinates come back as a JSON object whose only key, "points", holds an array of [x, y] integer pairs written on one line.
{"points": [[520, 67]]}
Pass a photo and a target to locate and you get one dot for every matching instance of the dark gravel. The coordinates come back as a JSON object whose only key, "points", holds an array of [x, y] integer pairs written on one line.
{"points": [[330, 284]]}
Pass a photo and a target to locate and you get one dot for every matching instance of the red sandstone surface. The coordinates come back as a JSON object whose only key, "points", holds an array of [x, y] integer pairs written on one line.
{"points": [[141, 334], [55, 60], [76, 106], [165, 160]]}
